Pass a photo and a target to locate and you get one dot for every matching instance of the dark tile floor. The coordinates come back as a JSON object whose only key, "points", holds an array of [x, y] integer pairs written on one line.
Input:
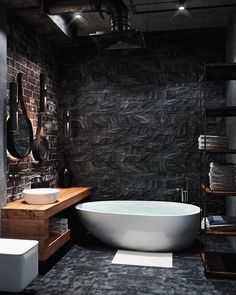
{"points": [[87, 269]]}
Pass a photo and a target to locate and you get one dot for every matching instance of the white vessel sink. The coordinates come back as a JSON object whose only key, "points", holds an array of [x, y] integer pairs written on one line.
{"points": [[40, 195]]}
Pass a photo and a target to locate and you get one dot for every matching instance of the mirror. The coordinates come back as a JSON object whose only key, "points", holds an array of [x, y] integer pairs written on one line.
{"points": [[19, 142], [19, 128]]}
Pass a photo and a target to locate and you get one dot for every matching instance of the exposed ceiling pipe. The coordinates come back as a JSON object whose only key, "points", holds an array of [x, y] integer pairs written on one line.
{"points": [[116, 9]]}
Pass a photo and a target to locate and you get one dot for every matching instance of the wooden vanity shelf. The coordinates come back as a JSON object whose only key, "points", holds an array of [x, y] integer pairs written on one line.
{"points": [[25, 221]]}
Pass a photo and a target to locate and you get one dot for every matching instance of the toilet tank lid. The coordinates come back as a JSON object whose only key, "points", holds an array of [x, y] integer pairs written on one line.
{"points": [[16, 246]]}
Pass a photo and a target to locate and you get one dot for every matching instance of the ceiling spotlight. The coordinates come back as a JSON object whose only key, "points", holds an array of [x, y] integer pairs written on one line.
{"points": [[181, 5], [77, 15]]}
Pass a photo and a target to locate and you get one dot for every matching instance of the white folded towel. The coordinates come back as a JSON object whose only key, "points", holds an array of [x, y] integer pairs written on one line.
{"points": [[213, 138]]}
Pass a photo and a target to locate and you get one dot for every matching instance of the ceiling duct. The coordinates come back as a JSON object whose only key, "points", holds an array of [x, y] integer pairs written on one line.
{"points": [[131, 39], [116, 9]]}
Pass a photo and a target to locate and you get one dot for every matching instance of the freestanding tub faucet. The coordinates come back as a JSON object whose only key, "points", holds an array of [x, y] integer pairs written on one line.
{"points": [[184, 191]]}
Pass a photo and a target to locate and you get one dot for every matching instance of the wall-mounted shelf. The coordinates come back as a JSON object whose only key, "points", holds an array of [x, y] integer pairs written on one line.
{"points": [[25, 221], [221, 71], [233, 151], [219, 264], [227, 111], [208, 191], [221, 232]]}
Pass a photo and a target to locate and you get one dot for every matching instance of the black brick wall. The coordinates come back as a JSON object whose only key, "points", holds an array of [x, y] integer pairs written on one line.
{"points": [[30, 54], [135, 114]]}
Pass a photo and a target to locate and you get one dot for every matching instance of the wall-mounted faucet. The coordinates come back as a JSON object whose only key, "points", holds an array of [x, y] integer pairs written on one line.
{"points": [[184, 191], [34, 176]]}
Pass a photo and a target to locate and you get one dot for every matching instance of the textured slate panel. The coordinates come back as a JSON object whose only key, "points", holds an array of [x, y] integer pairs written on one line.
{"points": [[135, 115]]}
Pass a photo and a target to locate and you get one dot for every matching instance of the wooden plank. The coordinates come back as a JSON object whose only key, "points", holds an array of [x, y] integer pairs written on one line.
{"points": [[219, 264], [221, 232], [227, 111], [232, 151], [222, 71], [207, 190], [68, 198], [21, 210], [51, 245], [16, 213], [29, 229]]}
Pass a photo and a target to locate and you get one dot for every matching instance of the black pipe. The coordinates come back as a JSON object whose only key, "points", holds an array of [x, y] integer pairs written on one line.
{"points": [[118, 11]]}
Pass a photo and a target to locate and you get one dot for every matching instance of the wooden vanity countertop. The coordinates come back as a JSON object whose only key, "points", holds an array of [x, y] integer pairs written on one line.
{"points": [[67, 197]]}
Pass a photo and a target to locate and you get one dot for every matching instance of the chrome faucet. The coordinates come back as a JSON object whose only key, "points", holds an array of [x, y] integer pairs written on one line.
{"points": [[33, 176], [184, 191]]}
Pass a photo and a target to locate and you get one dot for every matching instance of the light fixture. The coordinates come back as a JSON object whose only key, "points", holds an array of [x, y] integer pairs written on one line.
{"points": [[66, 117], [181, 5], [77, 16], [43, 94]]}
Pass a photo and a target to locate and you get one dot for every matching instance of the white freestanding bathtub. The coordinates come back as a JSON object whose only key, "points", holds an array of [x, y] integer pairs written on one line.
{"points": [[141, 225]]}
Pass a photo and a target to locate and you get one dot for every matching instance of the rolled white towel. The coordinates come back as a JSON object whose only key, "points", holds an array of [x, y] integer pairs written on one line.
{"points": [[222, 137], [215, 164], [213, 138], [213, 147]]}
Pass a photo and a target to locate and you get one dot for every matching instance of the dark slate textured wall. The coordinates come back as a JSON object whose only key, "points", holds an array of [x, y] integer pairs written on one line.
{"points": [[135, 114]]}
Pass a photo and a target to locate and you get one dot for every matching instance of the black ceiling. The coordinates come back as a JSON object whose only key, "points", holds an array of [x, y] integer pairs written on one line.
{"points": [[146, 16]]}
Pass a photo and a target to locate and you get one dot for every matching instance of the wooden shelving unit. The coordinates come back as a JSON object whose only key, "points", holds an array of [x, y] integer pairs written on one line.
{"points": [[208, 191], [228, 111], [217, 263], [25, 221], [220, 72], [221, 232], [232, 151]]}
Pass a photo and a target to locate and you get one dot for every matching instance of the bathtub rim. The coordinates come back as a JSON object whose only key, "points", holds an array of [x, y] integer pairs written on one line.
{"points": [[80, 208]]}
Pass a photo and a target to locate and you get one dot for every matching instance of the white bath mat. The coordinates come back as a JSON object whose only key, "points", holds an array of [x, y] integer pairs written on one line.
{"points": [[143, 258]]}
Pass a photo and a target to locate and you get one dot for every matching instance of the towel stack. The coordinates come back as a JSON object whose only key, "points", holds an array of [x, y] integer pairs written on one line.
{"points": [[213, 142], [218, 222], [58, 226], [222, 177]]}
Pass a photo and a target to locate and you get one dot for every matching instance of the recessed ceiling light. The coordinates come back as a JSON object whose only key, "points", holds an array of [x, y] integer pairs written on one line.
{"points": [[181, 5], [77, 15]]}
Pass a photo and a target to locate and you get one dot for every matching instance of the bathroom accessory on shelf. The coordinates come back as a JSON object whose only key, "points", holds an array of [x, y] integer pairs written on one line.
{"points": [[58, 226], [220, 223], [65, 177], [40, 195]]}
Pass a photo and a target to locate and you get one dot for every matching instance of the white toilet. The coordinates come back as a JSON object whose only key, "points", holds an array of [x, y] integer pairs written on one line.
{"points": [[18, 264]]}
